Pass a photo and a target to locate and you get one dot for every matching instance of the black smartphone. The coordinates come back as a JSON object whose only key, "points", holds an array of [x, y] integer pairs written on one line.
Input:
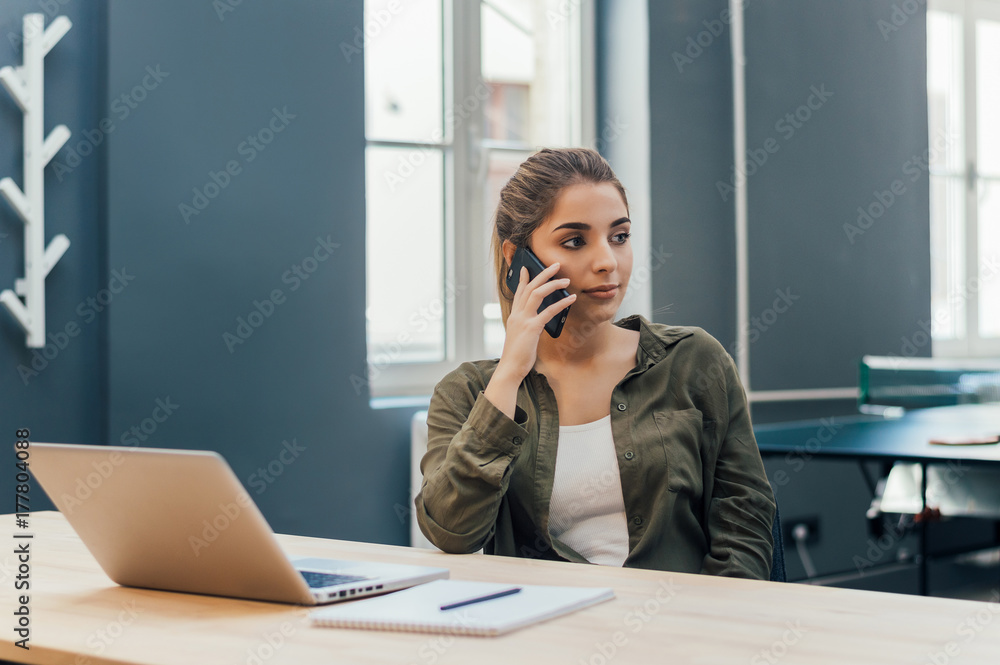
{"points": [[525, 257]]}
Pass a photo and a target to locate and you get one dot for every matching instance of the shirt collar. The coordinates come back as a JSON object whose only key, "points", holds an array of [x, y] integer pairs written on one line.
{"points": [[654, 339]]}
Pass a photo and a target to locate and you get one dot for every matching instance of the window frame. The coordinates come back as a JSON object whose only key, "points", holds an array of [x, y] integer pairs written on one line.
{"points": [[971, 345], [466, 156]]}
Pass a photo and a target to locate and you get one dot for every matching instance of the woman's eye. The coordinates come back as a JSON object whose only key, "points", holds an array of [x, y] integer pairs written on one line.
{"points": [[622, 237], [575, 241]]}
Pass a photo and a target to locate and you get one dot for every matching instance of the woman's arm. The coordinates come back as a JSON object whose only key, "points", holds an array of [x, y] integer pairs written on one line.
{"points": [[472, 436], [742, 504], [470, 447]]}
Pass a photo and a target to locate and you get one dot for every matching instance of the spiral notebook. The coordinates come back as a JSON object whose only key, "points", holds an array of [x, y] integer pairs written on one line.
{"points": [[418, 609]]}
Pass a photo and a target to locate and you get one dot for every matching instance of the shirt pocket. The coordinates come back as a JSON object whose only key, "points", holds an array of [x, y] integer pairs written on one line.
{"points": [[681, 435]]}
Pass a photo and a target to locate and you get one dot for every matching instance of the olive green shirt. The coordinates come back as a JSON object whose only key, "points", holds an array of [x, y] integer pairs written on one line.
{"points": [[696, 495]]}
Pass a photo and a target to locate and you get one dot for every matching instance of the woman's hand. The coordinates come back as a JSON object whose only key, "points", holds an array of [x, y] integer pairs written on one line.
{"points": [[525, 323], [524, 327]]}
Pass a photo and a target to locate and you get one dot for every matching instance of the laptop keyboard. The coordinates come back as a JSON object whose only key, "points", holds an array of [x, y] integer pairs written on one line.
{"points": [[318, 580]]}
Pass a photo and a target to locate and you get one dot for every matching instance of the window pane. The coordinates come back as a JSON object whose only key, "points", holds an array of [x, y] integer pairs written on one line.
{"points": [[988, 95], [948, 292], [403, 70], [502, 167], [989, 258], [405, 231], [493, 331], [944, 91], [527, 61]]}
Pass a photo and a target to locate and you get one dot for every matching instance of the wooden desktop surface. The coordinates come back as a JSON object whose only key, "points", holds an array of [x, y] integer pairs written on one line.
{"points": [[80, 617]]}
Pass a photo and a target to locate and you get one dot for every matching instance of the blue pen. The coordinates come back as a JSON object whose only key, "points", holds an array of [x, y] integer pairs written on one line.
{"points": [[498, 594]]}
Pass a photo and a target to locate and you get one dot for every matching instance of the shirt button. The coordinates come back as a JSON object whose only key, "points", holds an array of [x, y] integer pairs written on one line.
{"points": [[637, 520], [629, 454], [621, 407], [517, 440]]}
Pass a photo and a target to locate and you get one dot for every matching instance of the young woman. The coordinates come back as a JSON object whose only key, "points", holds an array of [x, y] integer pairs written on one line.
{"points": [[616, 443]]}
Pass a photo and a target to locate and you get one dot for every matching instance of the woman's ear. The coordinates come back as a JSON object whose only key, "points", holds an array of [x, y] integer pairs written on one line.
{"points": [[508, 248]]}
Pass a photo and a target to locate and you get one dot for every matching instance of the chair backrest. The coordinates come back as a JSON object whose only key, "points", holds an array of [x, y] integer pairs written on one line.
{"points": [[778, 553], [418, 446]]}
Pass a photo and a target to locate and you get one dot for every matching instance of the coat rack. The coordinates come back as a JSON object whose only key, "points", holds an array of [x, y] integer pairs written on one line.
{"points": [[26, 85]]}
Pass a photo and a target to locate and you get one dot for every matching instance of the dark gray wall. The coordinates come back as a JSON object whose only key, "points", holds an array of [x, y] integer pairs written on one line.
{"points": [[845, 294], [195, 278], [855, 290], [861, 290], [59, 392], [848, 298], [691, 138]]}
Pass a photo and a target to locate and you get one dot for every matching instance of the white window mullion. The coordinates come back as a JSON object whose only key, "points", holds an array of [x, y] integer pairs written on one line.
{"points": [[977, 10], [583, 38], [467, 110], [450, 28], [971, 160], [457, 177]]}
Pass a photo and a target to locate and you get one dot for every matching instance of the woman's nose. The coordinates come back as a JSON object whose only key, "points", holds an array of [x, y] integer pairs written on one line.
{"points": [[604, 259]]}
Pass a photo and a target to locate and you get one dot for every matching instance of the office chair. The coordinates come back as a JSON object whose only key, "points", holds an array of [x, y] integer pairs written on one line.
{"points": [[778, 552]]}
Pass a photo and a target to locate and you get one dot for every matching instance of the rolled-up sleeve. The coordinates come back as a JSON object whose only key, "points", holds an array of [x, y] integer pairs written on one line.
{"points": [[742, 504], [470, 447]]}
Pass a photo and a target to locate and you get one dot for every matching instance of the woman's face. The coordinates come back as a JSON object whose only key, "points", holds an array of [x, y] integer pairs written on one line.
{"points": [[588, 234]]}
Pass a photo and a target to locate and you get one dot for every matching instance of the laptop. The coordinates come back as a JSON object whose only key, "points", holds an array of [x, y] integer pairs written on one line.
{"points": [[180, 520]]}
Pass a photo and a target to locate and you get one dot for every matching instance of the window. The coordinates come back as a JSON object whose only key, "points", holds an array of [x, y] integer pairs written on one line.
{"points": [[457, 94], [963, 86]]}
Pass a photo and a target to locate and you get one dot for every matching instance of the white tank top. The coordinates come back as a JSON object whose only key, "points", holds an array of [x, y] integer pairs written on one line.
{"points": [[587, 511]]}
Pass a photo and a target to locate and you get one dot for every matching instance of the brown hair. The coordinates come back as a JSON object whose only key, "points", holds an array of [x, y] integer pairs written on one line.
{"points": [[530, 195]]}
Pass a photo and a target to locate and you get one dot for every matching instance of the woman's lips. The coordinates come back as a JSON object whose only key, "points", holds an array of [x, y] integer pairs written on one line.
{"points": [[603, 292]]}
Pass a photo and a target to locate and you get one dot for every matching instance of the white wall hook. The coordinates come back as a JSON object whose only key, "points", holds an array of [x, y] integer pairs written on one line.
{"points": [[26, 84]]}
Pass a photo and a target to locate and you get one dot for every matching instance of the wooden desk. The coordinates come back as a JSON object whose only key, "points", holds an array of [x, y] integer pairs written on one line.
{"points": [[79, 616]]}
